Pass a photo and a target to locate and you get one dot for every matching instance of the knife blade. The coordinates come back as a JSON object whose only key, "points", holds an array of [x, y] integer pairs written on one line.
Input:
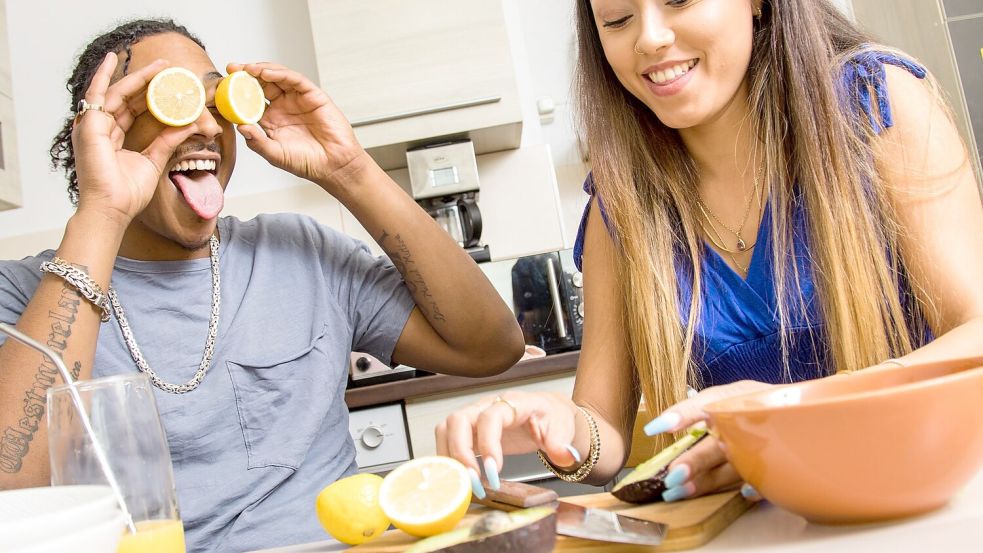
{"points": [[575, 520], [603, 525]]}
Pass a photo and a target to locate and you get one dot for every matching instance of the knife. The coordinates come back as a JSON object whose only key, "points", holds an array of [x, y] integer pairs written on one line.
{"points": [[575, 520]]}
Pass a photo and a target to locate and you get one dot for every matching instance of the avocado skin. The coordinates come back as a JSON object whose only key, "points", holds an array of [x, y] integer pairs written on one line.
{"points": [[537, 537], [648, 490]]}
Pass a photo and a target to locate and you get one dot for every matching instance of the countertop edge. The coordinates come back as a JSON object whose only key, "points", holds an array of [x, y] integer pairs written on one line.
{"points": [[389, 392]]}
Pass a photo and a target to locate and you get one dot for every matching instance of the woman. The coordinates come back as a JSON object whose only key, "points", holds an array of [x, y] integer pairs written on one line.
{"points": [[773, 199]]}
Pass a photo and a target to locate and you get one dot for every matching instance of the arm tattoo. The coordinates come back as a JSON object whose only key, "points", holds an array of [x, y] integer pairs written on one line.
{"points": [[399, 254], [15, 440]]}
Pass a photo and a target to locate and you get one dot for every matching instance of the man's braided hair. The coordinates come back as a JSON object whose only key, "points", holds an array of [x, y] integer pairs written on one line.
{"points": [[118, 40]]}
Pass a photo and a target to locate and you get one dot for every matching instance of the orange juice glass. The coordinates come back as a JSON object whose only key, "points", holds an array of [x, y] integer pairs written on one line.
{"points": [[154, 536], [127, 426]]}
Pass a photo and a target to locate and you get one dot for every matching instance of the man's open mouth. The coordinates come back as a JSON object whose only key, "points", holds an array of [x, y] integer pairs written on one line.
{"points": [[197, 181]]}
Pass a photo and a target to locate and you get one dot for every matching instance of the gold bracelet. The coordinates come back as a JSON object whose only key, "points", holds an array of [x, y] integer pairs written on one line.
{"points": [[593, 455]]}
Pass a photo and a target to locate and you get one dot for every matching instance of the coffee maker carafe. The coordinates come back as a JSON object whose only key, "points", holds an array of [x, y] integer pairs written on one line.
{"points": [[444, 181], [457, 214]]}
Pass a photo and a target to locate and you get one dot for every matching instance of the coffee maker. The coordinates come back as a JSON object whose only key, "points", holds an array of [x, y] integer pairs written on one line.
{"points": [[444, 181]]}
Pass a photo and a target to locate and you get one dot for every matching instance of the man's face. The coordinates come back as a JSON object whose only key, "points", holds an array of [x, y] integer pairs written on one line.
{"points": [[179, 209]]}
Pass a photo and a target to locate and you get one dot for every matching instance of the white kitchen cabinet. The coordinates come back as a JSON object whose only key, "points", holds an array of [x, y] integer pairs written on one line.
{"points": [[424, 414], [10, 193], [519, 203], [405, 73]]}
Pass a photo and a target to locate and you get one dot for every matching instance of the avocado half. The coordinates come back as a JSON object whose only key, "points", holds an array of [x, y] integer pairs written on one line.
{"points": [[646, 483], [529, 530]]}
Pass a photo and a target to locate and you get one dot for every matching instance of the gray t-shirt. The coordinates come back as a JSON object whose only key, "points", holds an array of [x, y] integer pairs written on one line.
{"points": [[268, 427]]}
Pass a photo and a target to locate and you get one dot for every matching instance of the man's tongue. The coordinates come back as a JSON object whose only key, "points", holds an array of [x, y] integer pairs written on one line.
{"points": [[202, 191]]}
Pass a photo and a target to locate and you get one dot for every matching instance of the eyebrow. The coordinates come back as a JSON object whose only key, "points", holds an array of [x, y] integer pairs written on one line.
{"points": [[211, 75]]}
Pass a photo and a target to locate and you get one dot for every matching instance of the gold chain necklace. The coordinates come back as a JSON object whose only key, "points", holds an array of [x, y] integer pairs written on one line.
{"points": [[716, 242], [742, 246]]}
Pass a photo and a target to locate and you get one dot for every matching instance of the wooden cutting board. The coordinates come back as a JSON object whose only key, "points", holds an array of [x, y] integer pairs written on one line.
{"points": [[692, 523]]}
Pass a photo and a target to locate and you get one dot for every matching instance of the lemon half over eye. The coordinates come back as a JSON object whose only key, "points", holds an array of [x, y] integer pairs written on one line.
{"points": [[239, 98], [176, 97]]}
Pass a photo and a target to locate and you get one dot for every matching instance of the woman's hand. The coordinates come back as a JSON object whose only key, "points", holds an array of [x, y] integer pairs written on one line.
{"points": [[703, 468], [113, 181], [302, 132], [513, 423]]}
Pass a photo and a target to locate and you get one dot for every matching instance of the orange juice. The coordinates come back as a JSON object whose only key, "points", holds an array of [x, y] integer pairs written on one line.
{"points": [[154, 536]]}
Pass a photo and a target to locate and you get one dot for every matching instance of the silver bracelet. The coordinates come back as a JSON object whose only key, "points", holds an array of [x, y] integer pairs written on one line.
{"points": [[81, 281]]}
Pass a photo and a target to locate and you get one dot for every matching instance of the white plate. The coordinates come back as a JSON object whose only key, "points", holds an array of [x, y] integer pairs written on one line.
{"points": [[28, 513], [99, 538]]}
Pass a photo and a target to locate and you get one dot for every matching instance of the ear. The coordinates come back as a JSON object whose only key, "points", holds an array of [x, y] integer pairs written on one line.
{"points": [[756, 6]]}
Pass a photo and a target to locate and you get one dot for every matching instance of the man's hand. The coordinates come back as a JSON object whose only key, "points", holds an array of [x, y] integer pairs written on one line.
{"points": [[115, 182], [302, 131]]}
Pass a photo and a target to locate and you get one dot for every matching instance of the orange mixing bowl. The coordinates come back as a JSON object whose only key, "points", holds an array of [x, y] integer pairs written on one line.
{"points": [[872, 445]]}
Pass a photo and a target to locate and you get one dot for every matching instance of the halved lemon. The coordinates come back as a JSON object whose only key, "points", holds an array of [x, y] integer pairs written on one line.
{"points": [[176, 97], [426, 496], [239, 98]]}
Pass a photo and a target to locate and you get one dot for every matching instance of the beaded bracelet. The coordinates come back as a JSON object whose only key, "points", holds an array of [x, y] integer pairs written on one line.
{"points": [[81, 281], [593, 455]]}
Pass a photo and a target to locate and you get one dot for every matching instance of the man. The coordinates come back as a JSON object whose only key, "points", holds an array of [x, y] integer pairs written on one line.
{"points": [[257, 425]]}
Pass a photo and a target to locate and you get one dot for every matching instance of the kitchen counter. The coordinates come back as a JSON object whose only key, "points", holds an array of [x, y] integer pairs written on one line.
{"points": [[377, 394], [955, 528], [958, 527]]}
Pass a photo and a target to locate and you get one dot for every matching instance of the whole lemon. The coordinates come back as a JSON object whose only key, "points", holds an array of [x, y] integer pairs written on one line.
{"points": [[349, 509]]}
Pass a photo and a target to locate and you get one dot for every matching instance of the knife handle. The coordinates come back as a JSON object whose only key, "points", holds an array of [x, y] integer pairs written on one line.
{"points": [[517, 495]]}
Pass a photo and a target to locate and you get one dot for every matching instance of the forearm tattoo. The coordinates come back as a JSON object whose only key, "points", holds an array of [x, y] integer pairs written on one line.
{"points": [[15, 441], [399, 254]]}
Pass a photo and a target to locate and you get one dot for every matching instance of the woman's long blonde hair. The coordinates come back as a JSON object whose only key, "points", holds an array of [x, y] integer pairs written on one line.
{"points": [[815, 150]]}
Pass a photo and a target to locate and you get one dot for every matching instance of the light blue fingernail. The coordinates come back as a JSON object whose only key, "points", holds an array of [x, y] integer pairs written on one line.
{"points": [[677, 476], [491, 473], [576, 454], [748, 491], [675, 494], [476, 488], [663, 423]]}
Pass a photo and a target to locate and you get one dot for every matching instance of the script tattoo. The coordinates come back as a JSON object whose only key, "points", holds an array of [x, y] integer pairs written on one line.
{"points": [[399, 254], [15, 441]]}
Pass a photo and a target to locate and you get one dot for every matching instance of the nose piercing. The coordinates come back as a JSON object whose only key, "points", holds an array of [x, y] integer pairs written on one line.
{"points": [[639, 52]]}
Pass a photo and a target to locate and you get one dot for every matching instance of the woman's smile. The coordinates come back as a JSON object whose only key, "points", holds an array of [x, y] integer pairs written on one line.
{"points": [[669, 78]]}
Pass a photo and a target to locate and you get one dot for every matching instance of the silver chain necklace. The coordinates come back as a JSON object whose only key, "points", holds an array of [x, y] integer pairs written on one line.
{"points": [[206, 357]]}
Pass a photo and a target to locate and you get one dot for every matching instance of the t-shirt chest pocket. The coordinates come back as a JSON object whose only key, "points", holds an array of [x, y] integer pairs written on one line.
{"points": [[281, 401]]}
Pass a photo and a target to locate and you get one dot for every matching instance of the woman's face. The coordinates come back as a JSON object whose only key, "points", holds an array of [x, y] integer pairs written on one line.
{"points": [[694, 53]]}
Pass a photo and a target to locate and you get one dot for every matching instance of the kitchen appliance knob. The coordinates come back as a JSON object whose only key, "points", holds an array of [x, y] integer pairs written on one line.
{"points": [[578, 279], [362, 364], [372, 437], [580, 310]]}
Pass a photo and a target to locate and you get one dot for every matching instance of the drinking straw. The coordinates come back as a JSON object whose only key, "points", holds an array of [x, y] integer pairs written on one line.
{"points": [[77, 400]]}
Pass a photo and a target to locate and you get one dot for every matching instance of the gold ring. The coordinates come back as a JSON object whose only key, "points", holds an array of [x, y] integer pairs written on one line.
{"points": [[86, 106], [500, 399], [83, 107]]}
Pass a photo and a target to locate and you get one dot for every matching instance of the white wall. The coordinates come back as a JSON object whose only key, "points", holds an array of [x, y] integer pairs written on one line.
{"points": [[47, 35]]}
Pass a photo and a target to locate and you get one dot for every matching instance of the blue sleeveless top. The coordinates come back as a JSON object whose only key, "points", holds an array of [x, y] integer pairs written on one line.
{"points": [[738, 334]]}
